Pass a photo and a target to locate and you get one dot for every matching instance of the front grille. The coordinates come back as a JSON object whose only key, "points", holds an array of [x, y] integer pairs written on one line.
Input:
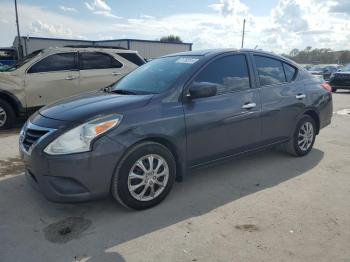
{"points": [[342, 76], [31, 136]]}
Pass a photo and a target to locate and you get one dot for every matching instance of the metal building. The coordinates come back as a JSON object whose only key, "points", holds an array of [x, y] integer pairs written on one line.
{"points": [[147, 48]]}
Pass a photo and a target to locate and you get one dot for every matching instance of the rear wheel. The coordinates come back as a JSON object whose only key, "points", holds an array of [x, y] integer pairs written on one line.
{"points": [[7, 115], [144, 176], [303, 138]]}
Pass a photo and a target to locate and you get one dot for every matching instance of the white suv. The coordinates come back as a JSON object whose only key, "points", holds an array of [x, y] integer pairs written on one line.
{"points": [[49, 75]]}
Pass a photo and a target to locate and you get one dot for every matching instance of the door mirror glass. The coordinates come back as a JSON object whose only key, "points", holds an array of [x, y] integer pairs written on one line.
{"points": [[202, 89]]}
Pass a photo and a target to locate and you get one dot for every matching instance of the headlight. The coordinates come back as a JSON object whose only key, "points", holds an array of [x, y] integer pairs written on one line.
{"points": [[79, 139]]}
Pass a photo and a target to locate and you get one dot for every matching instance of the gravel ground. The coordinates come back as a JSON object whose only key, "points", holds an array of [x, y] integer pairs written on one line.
{"points": [[264, 207]]}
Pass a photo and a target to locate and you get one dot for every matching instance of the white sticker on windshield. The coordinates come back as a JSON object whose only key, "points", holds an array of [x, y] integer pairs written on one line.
{"points": [[186, 60]]}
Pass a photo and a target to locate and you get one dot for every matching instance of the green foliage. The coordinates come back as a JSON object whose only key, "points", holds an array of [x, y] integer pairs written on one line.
{"points": [[318, 56], [171, 39]]}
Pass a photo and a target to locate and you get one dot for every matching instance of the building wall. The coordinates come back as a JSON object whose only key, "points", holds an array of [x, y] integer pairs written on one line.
{"points": [[32, 44], [150, 50], [114, 43], [147, 49]]}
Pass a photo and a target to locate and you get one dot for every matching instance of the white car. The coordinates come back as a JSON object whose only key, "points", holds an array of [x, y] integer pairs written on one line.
{"points": [[55, 73]]}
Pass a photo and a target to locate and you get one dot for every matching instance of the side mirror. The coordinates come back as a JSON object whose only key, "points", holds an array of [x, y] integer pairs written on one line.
{"points": [[202, 89], [339, 70]]}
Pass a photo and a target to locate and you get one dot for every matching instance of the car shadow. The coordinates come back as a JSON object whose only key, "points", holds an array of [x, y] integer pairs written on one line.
{"points": [[26, 215]]}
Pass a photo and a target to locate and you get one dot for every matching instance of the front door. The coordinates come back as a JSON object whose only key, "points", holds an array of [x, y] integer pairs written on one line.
{"points": [[51, 78], [228, 122]]}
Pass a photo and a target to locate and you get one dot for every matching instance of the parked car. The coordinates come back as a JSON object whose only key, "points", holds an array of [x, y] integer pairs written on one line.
{"points": [[324, 70], [8, 56], [52, 74], [306, 66], [340, 79], [174, 113]]}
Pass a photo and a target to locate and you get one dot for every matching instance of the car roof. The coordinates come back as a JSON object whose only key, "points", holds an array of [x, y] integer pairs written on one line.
{"points": [[214, 52], [87, 49]]}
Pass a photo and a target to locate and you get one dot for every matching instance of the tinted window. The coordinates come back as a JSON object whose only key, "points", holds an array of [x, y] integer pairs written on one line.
{"points": [[290, 72], [98, 61], [270, 70], [156, 76], [56, 62], [133, 58], [229, 73]]}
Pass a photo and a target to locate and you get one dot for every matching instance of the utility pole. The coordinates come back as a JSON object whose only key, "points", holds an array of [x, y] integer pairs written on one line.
{"points": [[20, 50], [243, 33]]}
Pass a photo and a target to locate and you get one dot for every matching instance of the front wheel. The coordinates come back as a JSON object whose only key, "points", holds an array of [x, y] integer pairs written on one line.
{"points": [[7, 115], [303, 138], [144, 176]]}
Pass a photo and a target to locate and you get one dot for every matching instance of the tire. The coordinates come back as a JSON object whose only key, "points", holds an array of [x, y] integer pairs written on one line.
{"points": [[7, 115], [297, 148], [122, 183], [334, 90]]}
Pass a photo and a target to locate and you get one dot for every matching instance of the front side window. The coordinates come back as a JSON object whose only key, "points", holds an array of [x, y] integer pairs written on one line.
{"points": [[270, 70], [56, 62], [91, 60], [229, 73]]}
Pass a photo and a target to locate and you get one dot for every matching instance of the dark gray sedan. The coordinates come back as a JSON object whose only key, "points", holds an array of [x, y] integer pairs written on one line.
{"points": [[136, 137]]}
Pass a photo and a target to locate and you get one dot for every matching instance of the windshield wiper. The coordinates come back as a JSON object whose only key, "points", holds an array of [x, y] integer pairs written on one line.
{"points": [[123, 92]]}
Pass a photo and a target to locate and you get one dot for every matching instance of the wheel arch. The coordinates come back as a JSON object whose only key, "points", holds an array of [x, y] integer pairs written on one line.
{"points": [[13, 101], [314, 115], [180, 166]]}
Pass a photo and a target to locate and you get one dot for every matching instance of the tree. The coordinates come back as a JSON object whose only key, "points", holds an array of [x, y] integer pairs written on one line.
{"points": [[171, 39]]}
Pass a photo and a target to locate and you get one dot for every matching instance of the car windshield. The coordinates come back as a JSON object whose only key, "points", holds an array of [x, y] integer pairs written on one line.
{"points": [[346, 68], [20, 62], [156, 76]]}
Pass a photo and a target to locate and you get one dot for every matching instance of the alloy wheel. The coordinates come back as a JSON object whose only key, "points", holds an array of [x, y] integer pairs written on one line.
{"points": [[305, 136], [3, 117], [148, 177]]}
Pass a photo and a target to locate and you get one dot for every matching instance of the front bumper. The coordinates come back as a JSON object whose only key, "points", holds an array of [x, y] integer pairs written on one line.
{"points": [[74, 177]]}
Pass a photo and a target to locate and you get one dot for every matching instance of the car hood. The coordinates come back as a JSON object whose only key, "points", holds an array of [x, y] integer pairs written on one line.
{"points": [[342, 73], [91, 105], [316, 72]]}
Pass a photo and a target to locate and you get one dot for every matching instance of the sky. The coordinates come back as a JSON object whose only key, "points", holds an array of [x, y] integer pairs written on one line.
{"points": [[272, 25]]}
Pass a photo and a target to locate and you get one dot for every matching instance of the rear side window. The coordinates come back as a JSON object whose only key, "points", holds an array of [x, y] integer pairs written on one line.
{"points": [[133, 58], [229, 73], [270, 70], [91, 60], [56, 62], [290, 72]]}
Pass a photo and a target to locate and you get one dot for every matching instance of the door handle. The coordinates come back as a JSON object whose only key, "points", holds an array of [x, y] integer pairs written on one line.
{"points": [[300, 96], [249, 106], [116, 74], [70, 78]]}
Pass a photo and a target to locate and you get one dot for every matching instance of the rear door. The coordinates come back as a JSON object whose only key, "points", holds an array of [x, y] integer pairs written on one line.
{"points": [[54, 77], [282, 97], [229, 122], [98, 70]]}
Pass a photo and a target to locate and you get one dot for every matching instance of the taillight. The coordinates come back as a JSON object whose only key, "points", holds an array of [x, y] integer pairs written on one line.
{"points": [[327, 87]]}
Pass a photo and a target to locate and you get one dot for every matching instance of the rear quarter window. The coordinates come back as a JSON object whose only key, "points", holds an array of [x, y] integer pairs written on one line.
{"points": [[290, 72]]}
